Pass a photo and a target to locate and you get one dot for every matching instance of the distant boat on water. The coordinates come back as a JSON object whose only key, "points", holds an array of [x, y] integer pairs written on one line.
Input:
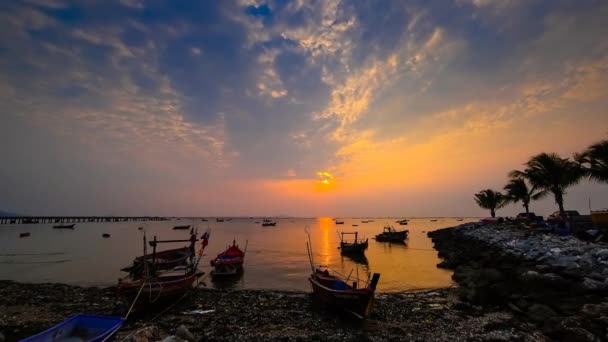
{"points": [[21, 235], [403, 222], [64, 226], [219, 220], [338, 221], [105, 235], [204, 220], [268, 223], [354, 246], [459, 220], [434, 220], [389, 234], [184, 227]]}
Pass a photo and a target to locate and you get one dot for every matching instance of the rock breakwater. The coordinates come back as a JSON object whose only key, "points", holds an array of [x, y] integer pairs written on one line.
{"points": [[560, 283]]}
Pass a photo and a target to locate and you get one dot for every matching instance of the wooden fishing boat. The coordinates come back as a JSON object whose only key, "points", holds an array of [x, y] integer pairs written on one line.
{"points": [[80, 327], [229, 262], [339, 221], [162, 274], [403, 222], [105, 235], [164, 260], [219, 220], [21, 235], [355, 246], [184, 227], [64, 226], [268, 223], [389, 234], [335, 293]]}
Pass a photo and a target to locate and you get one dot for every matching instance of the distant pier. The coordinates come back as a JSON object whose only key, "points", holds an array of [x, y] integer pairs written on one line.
{"points": [[76, 219]]}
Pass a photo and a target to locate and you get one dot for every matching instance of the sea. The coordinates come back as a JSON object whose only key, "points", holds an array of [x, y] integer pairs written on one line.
{"points": [[276, 257]]}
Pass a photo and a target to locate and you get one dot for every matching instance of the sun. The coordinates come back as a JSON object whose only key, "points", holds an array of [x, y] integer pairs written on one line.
{"points": [[325, 181]]}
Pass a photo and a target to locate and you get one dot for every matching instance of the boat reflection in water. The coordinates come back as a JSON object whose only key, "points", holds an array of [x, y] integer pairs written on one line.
{"points": [[360, 259]]}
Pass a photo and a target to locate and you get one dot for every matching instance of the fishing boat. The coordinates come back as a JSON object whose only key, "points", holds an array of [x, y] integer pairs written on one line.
{"points": [[403, 222], [339, 221], [163, 274], [459, 219], [389, 234], [268, 223], [219, 220], [90, 328], [229, 262], [354, 246], [204, 220], [64, 226], [337, 293], [105, 235], [184, 227], [434, 220]]}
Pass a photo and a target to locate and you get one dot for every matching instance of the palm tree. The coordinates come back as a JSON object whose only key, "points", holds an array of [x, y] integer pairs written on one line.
{"points": [[548, 172], [595, 161], [517, 190], [490, 199]]}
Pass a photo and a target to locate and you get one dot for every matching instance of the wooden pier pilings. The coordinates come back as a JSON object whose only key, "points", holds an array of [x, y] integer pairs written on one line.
{"points": [[76, 219]]}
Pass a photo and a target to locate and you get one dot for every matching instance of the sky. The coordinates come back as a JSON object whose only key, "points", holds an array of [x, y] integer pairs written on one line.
{"points": [[301, 108]]}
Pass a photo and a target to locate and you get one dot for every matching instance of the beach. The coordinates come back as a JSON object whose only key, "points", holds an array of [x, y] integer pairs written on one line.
{"points": [[265, 315]]}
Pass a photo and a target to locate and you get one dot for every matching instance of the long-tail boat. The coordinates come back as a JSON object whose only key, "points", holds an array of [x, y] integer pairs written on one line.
{"points": [[229, 262], [334, 292], [354, 246], [163, 274], [391, 235]]}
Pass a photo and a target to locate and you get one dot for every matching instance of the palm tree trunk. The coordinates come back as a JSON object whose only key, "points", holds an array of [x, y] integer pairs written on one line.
{"points": [[559, 199], [492, 213]]}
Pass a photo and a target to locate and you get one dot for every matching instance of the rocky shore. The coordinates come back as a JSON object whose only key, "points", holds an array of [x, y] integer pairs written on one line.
{"points": [[248, 315], [559, 283]]}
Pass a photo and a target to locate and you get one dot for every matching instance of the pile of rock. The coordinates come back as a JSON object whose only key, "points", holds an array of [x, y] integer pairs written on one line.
{"points": [[559, 282]]}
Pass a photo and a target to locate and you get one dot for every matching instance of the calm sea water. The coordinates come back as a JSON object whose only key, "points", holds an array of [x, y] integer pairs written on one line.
{"points": [[276, 256]]}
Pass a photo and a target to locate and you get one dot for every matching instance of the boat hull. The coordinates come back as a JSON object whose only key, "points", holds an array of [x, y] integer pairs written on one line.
{"points": [[353, 247], [163, 287], [355, 301], [393, 236], [80, 327]]}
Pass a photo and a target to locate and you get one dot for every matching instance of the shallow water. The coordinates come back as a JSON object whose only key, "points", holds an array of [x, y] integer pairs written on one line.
{"points": [[276, 256]]}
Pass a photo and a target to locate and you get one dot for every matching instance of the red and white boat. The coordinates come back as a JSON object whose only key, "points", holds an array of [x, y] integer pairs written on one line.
{"points": [[229, 262]]}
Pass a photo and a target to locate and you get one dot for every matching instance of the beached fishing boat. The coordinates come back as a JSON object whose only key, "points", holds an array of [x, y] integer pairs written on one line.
{"points": [[268, 223], [389, 234], [354, 246], [336, 293], [229, 262], [90, 328], [158, 276], [64, 226], [184, 227]]}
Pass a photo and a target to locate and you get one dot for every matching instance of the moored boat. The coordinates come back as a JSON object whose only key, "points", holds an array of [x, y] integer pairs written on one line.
{"points": [[164, 274], [184, 227], [389, 234], [336, 293], [339, 221], [219, 220], [26, 234], [268, 223], [90, 328], [64, 226], [229, 262], [354, 246], [403, 222]]}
